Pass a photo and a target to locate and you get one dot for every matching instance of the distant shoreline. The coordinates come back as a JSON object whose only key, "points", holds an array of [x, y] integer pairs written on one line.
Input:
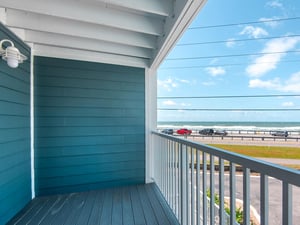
{"points": [[236, 125]]}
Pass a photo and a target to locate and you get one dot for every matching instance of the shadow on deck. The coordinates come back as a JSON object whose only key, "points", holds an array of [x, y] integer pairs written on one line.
{"points": [[132, 205]]}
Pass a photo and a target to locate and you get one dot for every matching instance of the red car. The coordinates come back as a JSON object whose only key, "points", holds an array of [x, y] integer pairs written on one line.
{"points": [[184, 131]]}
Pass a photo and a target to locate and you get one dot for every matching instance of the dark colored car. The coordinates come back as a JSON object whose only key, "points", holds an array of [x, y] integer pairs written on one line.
{"points": [[221, 132], [184, 131], [167, 131], [280, 133], [206, 131]]}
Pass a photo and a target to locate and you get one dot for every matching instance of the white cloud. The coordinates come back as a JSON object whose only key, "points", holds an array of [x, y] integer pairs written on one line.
{"points": [[184, 81], [275, 4], [208, 83], [290, 85], [269, 84], [171, 83], [169, 103], [278, 5], [254, 32], [230, 42], [167, 84], [288, 104], [215, 71], [185, 104], [173, 103], [267, 62], [270, 21], [213, 61]]}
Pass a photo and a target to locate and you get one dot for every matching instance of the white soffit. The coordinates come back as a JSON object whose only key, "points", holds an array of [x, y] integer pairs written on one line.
{"points": [[127, 32]]}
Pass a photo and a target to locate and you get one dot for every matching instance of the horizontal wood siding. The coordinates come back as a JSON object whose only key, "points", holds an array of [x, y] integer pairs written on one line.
{"points": [[15, 172], [90, 125]]}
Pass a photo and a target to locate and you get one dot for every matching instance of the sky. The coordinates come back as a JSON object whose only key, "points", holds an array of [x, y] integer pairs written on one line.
{"points": [[249, 49]]}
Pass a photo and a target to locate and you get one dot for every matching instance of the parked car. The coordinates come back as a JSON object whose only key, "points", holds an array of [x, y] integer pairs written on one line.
{"points": [[280, 133], [206, 131], [184, 131], [220, 132], [168, 131]]}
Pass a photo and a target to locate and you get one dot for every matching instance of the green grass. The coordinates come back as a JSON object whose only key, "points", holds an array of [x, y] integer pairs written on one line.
{"points": [[280, 152], [263, 151], [292, 166]]}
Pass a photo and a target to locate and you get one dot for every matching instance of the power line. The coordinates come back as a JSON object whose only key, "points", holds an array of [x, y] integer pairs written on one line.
{"points": [[245, 23], [228, 96], [223, 65], [238, 40], [233, 55], [225, 109]]}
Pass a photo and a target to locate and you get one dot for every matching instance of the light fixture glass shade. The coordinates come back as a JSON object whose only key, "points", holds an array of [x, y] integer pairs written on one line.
{"points": [[13, 63], [11, 56]]}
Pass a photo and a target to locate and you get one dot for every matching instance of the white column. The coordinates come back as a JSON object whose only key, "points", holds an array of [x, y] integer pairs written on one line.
{"points": [[151, 118], [32, 123]]}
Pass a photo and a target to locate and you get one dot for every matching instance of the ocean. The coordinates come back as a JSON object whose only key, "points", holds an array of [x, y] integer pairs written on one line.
{"points": [[254, 126]]}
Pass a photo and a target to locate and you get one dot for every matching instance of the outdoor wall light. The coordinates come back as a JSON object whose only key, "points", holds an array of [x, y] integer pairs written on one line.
{"points": [[11, 54]]}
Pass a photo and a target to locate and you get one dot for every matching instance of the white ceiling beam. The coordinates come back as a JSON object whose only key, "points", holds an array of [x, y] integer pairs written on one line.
{"points": [[89, 13], [185, 11], [64, 53], [147, 28], [37, 22], [158, 7], [57, 40], [2, 15]]}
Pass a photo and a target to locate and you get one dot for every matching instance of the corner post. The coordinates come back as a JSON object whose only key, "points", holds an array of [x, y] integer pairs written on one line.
{"points": [[151, 118]]}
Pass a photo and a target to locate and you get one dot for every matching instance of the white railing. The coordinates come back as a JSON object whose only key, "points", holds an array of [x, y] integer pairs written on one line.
{"points": [[188, 173]]}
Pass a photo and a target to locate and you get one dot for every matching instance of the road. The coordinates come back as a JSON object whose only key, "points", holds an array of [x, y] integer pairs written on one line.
{"points": [[275, 197]]}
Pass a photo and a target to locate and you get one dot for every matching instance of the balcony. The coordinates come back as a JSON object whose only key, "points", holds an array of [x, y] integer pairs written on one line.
{"points": [[185, 175], [76, 122], [76, 116]]}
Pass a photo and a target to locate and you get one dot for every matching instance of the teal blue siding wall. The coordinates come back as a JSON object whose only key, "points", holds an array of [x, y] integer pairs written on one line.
{"points": [[15, 173], [90, 125]]}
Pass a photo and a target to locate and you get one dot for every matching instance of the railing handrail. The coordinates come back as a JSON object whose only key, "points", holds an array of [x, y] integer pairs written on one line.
{"points": [[273, 170], [243, 136]]}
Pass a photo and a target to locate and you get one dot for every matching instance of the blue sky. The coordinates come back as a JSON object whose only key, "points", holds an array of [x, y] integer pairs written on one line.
{"points": [[234, 63]]}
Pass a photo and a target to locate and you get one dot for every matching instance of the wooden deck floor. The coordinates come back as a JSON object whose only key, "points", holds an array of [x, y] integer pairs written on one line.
{"points": [[133, 205]]}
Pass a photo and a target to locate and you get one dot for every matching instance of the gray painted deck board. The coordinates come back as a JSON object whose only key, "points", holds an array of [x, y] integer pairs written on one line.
{"points": [[87, 209], [138, 214], [157, 208], [54, 211], [132, 205], [96, 209], [107, 208], [146, 206], [117, 212], [127, 208]]}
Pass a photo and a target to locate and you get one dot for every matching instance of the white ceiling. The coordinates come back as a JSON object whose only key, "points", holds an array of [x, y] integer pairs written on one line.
{"points": [[127, 32]]}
